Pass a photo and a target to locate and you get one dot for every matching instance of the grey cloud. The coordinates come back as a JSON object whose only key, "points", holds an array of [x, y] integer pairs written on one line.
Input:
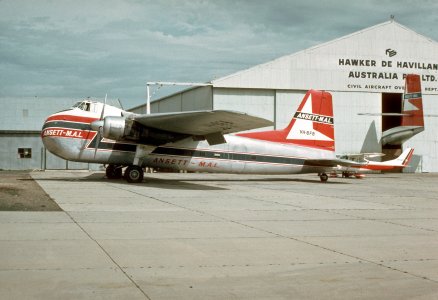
{"points": [[88, 48]]}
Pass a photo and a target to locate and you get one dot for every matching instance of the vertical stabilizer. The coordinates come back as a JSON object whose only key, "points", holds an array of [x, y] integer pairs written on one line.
{"points": [[412, 102], [310, 126]]}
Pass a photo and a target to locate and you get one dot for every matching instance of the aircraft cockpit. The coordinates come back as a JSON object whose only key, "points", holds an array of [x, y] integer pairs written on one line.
{"points": [[83, 105], [95, 107], [88, 105]]}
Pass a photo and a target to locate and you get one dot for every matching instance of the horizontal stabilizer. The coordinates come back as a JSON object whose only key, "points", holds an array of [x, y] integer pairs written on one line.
{"points": [[331, 163]]}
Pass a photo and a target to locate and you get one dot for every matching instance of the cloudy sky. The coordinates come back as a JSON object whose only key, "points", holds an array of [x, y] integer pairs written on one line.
{"points": [[90, 48]]}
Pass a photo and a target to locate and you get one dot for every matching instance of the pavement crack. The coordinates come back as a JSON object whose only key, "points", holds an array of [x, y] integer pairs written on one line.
{"points": [[109, 256]]}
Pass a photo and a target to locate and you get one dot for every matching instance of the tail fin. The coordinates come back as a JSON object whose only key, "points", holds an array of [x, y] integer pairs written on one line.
{"points": [[398, 163], [412, 102], [403, 160], [311, 125], [406, 156]]}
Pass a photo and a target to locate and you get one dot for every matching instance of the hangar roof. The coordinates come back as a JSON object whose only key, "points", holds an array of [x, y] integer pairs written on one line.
{"points": [[383, 50]]}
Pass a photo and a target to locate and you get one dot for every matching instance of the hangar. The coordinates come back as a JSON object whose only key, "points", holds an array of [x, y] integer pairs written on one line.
{"points": [[364, 71]]}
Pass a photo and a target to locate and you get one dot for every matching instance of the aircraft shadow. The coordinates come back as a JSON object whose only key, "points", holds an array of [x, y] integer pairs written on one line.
{"points": [[267, 179], [183, 184], [147, 182]]}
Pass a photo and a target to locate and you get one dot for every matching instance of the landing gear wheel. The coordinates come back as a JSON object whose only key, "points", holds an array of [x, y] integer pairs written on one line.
{"points": [[323, 177], [347, 174], [113, 172], [134, 174]]}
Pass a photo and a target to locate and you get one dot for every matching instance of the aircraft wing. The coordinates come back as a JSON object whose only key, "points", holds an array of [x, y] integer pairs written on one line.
{"points": [[211, 124]]}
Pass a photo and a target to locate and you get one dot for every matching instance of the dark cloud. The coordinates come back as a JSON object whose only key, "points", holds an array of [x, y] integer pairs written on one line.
{"points": [[89, 48]]}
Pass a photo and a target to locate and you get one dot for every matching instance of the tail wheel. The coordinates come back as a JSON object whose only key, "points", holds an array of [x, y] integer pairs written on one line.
{"points": [[323, 177], [113, 172], [134, 174]]}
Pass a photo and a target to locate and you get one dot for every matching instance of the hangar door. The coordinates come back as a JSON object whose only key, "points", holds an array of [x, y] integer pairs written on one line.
{"points": [[391, 103]]}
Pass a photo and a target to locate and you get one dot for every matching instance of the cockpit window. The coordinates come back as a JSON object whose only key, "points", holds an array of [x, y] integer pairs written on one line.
{"points": [[82, 105]]}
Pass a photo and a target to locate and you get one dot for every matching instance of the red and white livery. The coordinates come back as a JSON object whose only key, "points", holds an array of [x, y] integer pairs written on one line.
{"points": [[204, 141]]}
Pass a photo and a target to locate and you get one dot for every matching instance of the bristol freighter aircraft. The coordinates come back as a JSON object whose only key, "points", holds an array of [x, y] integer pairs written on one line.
{"points": [[203, 141]]}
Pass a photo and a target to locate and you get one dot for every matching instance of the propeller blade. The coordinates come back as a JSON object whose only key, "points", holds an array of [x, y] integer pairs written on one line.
{"points": [[103, 108], [98, 126]]}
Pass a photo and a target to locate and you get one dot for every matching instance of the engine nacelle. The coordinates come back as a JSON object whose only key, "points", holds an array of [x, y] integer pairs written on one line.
{"points": [[114, 128], [120, 129]]}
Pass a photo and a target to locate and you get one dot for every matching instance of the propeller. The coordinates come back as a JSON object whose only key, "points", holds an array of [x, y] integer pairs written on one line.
{"points": [[98, 126]]}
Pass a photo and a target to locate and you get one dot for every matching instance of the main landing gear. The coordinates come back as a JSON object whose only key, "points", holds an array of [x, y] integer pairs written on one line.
{"points": [[323, 177], [113, 172], [133, 174]]}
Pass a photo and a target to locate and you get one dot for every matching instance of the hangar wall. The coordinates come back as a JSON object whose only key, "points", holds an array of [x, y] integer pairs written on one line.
{"points": [[286, 103], [354, 133], [255, 102], [10, 158], [426, 142], [199, 98]]}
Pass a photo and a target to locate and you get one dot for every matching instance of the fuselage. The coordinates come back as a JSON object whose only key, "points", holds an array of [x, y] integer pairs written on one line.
{"points": [[68, 134]]}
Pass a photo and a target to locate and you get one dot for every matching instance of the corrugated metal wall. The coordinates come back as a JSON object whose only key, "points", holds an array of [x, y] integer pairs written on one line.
{"points": [[9, 158], [426, 142], [351, 130], [199, 98], [259, 103], [286, 103]]}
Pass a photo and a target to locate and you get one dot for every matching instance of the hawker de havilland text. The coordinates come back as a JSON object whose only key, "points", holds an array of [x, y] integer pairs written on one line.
{"points": [[198, 141]]}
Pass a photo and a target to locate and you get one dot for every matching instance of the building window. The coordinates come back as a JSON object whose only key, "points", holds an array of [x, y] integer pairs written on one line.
{"points": [[25, 152]]}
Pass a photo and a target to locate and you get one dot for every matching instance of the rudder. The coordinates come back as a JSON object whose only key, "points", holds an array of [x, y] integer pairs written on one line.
{"points": [[412, 102]]}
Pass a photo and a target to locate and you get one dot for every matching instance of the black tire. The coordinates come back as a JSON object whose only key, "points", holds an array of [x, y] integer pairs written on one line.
{"points": [[323, 177], [113, 172], [134, 174]]}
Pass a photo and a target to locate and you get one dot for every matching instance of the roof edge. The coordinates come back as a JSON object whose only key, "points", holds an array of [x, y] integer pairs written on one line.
{"points": [[322, 45]]}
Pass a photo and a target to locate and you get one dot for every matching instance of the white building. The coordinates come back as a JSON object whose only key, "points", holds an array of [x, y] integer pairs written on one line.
{"points": [[364, 72]]}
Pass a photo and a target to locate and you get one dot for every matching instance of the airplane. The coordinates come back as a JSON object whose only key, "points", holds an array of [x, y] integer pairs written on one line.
{"points": [[412, 114], [196, 141], [412, 123], [358, 171]]}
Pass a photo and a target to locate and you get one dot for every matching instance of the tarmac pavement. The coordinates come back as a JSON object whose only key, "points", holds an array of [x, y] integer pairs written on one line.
{"points": [[219, 236]]}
